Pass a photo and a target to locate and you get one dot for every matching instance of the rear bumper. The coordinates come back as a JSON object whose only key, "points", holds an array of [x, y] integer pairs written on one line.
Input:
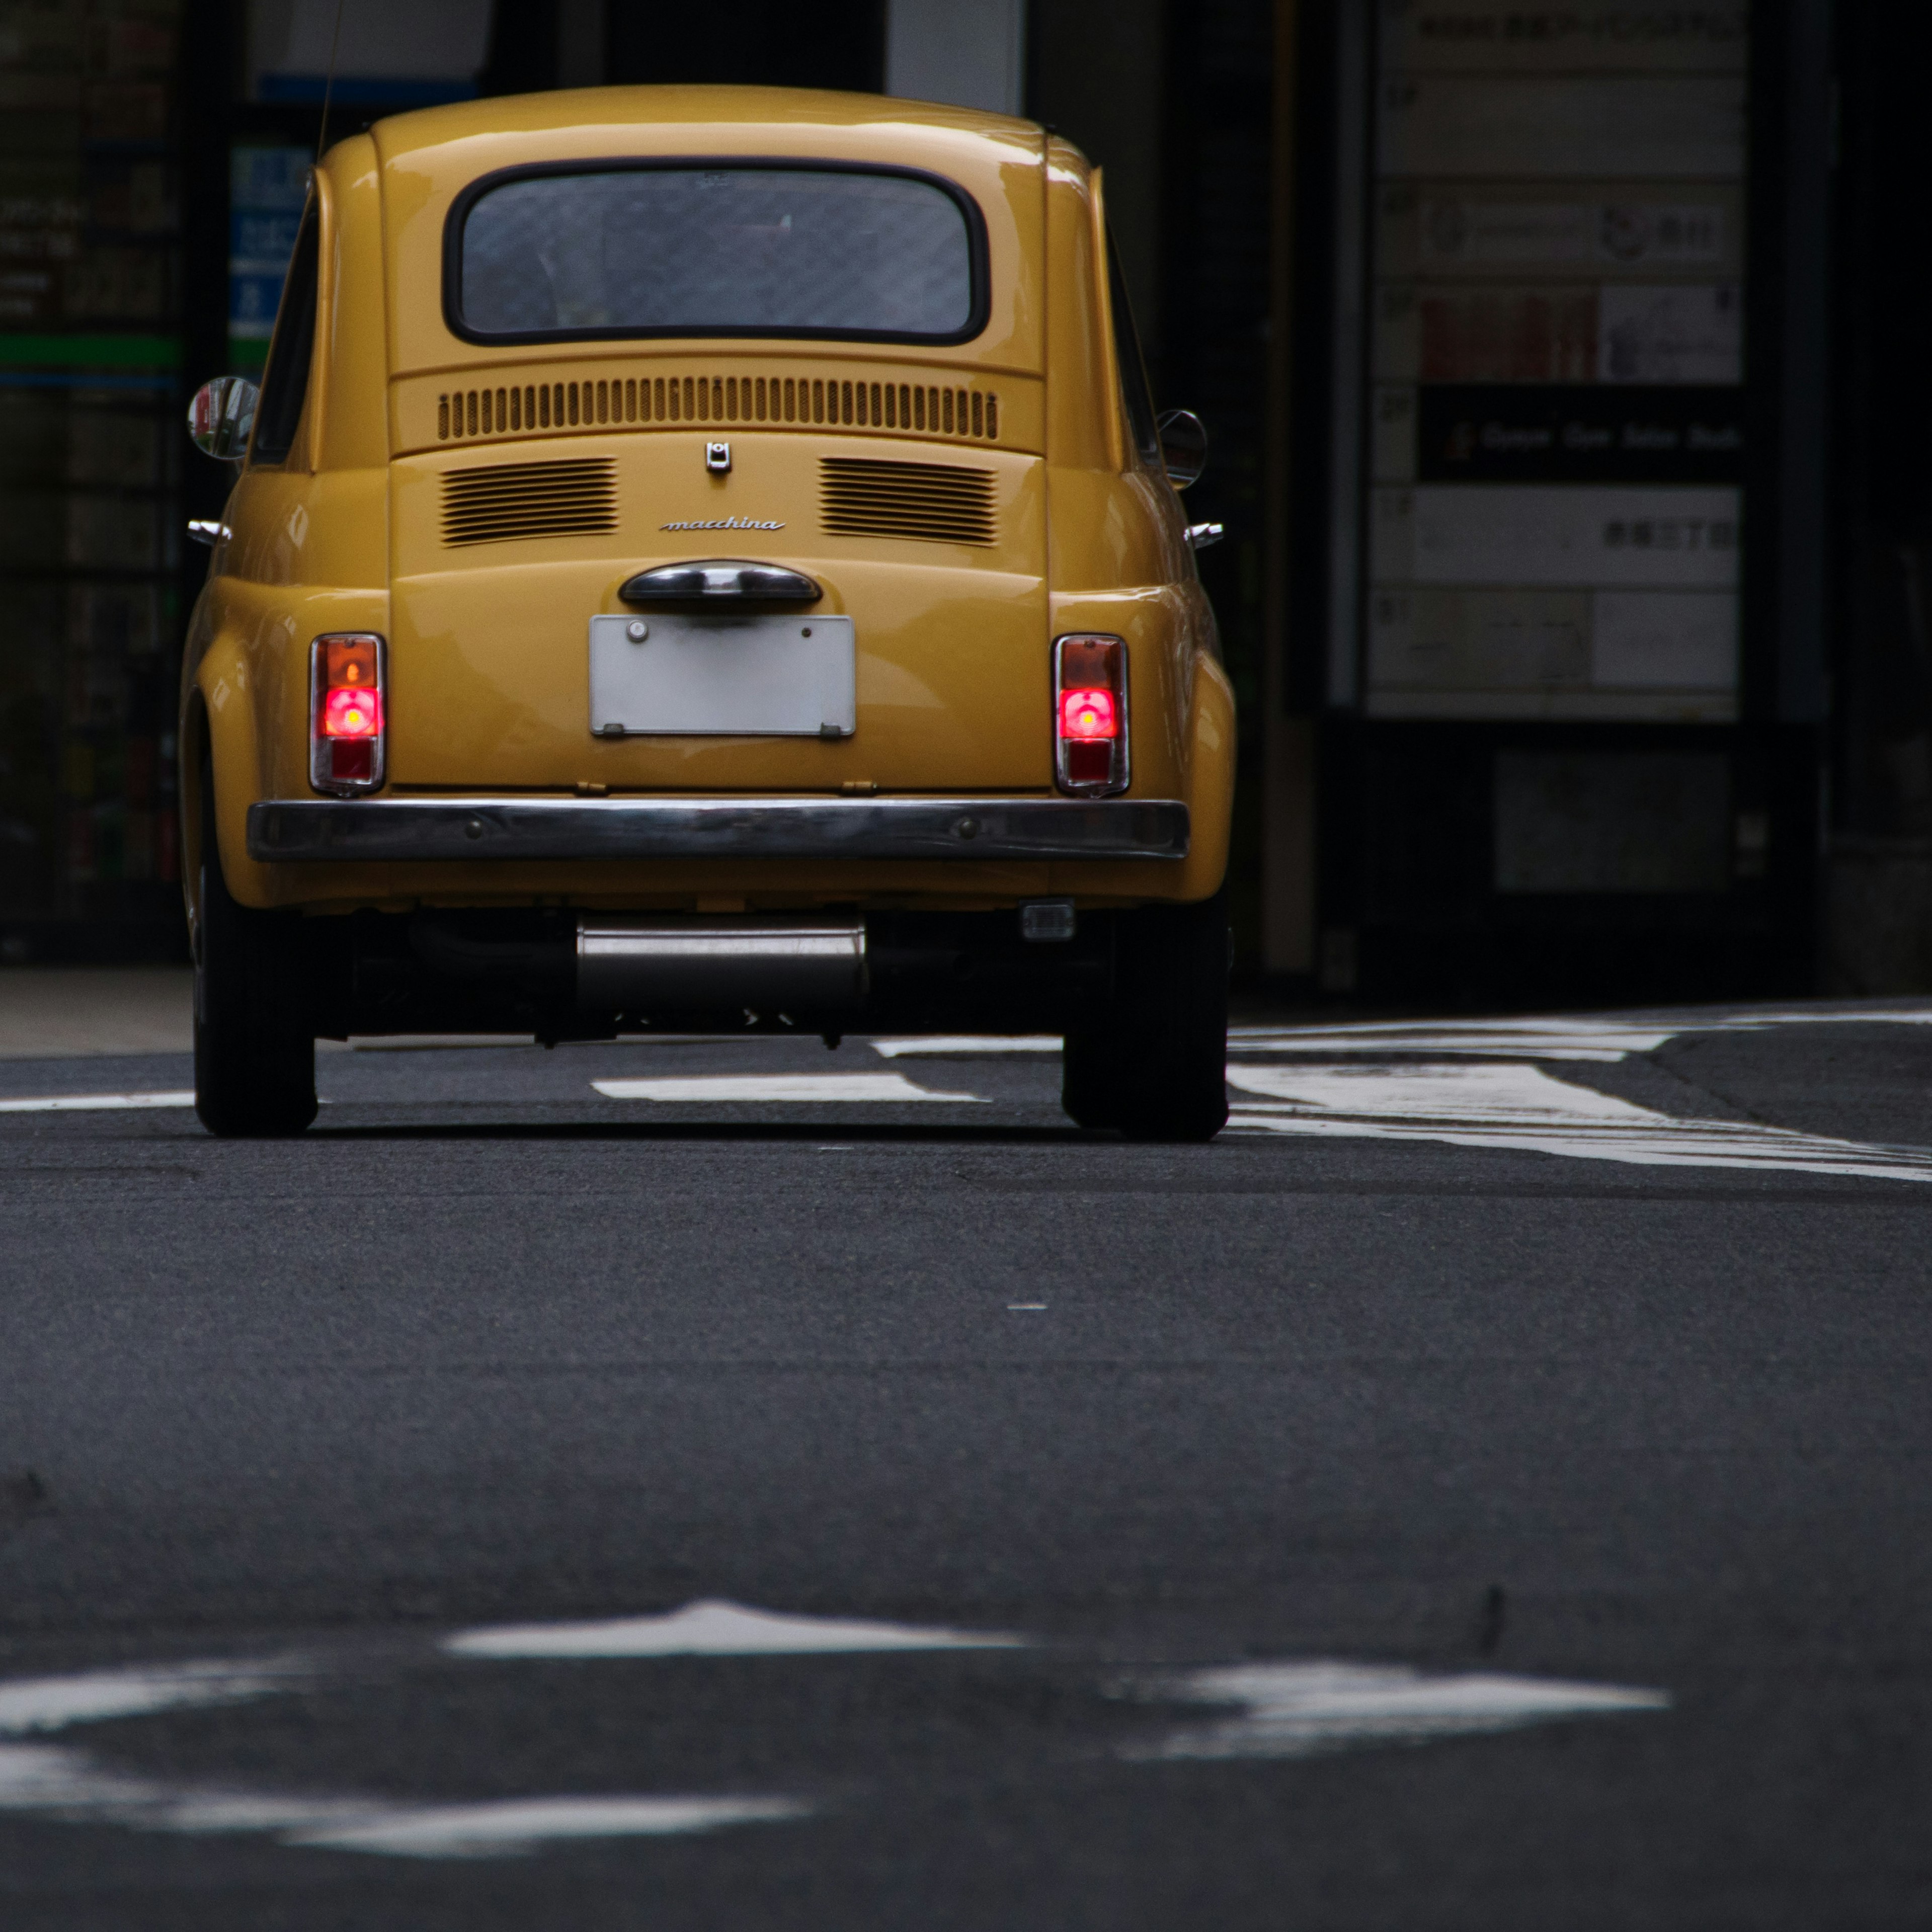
{"points": [[414, 830]]}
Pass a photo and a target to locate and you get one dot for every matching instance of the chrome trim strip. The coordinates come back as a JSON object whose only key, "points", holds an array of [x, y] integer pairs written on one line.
{"points": [[428, 830]]}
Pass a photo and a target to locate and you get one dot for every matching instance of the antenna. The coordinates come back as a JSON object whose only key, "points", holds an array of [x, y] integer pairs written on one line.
{"points": [[328, 86]]}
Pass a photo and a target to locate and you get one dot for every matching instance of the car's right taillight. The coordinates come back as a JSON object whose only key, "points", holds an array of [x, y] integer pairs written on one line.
{"points": [[347, 736], [1090, 715]]}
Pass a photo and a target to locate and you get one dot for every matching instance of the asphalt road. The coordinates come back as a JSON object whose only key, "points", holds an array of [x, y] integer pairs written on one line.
{"points": [[1483, 1489]]}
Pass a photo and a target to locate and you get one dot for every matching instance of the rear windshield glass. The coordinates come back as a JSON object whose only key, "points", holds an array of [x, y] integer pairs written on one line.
{"points": [[732, 250]]}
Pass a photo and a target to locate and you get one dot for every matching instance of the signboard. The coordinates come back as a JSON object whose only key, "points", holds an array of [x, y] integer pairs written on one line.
{"points": [[1555, 437]]}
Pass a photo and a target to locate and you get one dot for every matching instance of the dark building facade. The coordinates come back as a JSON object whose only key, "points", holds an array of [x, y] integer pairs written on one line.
{"points": [[1560, 363]]}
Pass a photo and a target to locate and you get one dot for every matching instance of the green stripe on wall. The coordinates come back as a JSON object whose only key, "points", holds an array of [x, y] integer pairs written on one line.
{"points": [[90, 352]]}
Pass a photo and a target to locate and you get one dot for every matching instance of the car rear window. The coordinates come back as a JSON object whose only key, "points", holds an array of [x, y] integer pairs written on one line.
{"points": [[738, 249]]}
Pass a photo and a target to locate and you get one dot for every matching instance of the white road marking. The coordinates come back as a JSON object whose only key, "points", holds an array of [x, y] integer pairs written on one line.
{"points": [[71, 1787], [1304, 1709], [713, 1628], [1455, 1092], [40, 1704], [1026, 1308], [1554, 1038], [1496, 1039], [83, 1103], [519, 1825], [967, 1042], [1523, 1108], [875, 1088]]}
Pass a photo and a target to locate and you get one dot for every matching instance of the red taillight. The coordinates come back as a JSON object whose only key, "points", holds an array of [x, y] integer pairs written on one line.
{"points": [[1089, 676], [349, 713], [346, 742], [1088, 714]]}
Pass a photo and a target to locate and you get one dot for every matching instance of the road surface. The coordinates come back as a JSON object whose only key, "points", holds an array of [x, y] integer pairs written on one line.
{"points": [[696, 1483]]}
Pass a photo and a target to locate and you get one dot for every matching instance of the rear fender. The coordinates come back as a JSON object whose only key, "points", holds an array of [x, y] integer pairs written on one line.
{"points": [[250, 689], [1181, 726]]}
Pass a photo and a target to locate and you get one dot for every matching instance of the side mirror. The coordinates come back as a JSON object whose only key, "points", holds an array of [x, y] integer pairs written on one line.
{"points": [[1183, 446], [221, 416]]}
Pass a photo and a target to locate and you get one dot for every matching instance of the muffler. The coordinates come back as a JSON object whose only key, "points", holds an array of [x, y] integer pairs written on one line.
{"points": [[648, 964]]}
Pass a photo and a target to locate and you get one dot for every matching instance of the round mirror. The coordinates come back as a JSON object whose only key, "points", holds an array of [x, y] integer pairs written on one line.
{"points": [[221, 416], [1183, 446]]}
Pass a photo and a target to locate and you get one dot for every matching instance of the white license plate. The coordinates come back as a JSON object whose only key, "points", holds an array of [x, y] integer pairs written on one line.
{"points": [[719, 676]]}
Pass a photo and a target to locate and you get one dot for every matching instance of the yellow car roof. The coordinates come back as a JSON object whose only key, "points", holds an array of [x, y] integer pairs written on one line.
{"points": [[426, 159]]}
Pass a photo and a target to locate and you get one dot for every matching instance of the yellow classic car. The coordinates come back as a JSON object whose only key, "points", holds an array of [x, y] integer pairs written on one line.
{"points": [[706, 557]]}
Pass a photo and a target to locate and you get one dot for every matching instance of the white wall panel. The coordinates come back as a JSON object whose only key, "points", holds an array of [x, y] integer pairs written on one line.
{"points": [[1516, 230], [1672, 335], [968, 52], [1642, 127], [1649, 639], [1586, 535], [1451, 36]]}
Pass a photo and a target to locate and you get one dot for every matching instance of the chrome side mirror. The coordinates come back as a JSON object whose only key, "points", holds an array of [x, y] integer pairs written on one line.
{"points": [[1183, 446], [221, 417]]}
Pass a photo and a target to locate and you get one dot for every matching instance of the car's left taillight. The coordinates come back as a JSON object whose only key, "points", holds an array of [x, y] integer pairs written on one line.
{"points": [[346, 722], [1090, 715]]}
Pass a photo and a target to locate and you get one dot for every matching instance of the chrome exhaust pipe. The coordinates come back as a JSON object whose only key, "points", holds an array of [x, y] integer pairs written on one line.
{"points": [[645, 964]]}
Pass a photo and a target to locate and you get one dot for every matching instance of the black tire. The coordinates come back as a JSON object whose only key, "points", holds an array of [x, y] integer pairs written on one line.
{"points": [[1154, 1063], [254, 1030], [1089, 1094]]}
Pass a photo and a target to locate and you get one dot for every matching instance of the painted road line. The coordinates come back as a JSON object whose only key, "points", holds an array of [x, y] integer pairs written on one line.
{"points": [[523, 1825], [967, 1042], [1525, 1109], [85, 1103], [1549, 1038], [1494, 1095], [892, 1089], [1306, 1709], [1499, 1039], [71, 1787], [37, 1704], [712, 1628]]}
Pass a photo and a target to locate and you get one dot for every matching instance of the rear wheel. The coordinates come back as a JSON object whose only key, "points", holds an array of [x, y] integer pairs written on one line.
{"points": [[1153, 1062], [254, 1030]]}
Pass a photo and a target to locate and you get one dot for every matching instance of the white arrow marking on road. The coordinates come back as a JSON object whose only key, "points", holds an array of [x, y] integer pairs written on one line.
{"points": [[81, 1103], [886, 1088], [712, 1628], [1525, 1108], [1303, 1709]]}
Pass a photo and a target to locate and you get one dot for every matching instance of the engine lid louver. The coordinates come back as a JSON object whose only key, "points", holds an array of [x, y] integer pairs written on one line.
{"points": [[930, 502], [511, 500], [913, 408]]}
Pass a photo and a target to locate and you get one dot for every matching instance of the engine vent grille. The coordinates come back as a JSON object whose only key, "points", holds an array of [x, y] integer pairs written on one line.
{"points": [[464, 414], [508, 500], [934, 503]]}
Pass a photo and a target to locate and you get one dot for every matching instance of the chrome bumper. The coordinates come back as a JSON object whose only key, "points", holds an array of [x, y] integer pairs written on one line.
{"points": [[349, 831]]}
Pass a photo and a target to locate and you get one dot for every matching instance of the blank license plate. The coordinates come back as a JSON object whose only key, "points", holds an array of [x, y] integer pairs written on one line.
{"points": [[737, 676]]}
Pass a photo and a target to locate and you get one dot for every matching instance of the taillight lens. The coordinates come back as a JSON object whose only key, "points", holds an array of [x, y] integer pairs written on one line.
{"points": [[1090, 677], [352, 714], [346, 747]]}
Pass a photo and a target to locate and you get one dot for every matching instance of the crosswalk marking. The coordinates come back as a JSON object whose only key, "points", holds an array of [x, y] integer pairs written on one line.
{"points": [[1522, 1108], [85, 1103]]}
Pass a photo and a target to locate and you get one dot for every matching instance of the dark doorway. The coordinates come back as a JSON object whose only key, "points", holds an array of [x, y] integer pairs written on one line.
{"points": [[831, 43]]}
